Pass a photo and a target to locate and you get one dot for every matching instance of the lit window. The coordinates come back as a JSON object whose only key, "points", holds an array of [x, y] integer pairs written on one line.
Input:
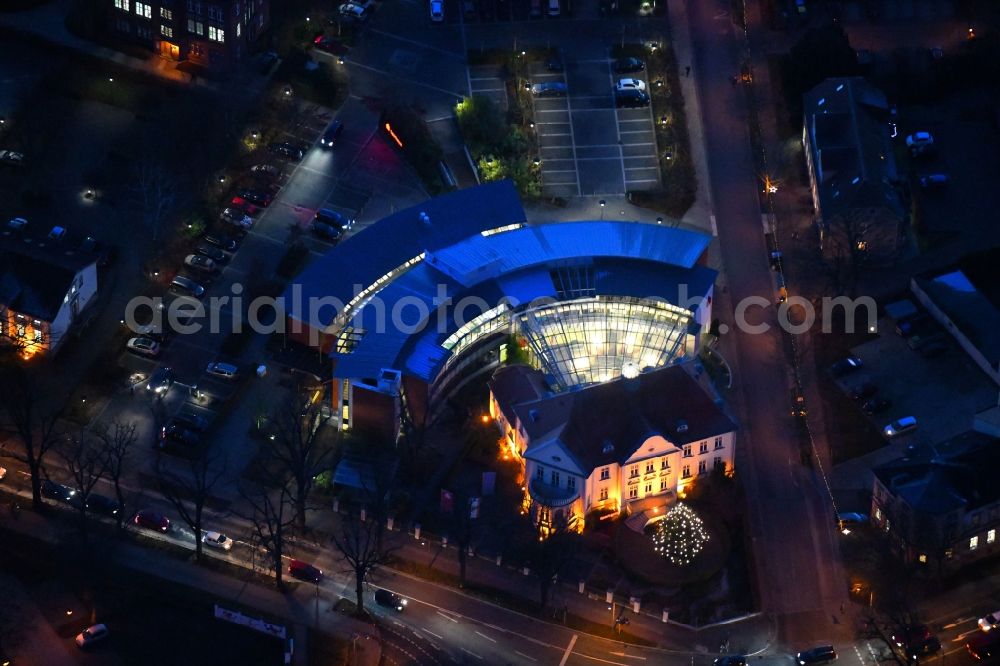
{"points": [[649, 467], [649, 488], [144, 10], [122, 5], [633, 471], [603, 494], [38, 335], [196, 27], [922, 558], [663, 485], [166, 31], [21, 331], [238, 30], [973, 543], [216, 34], [166, 13], [686, 472], [633, 492], [991, 536], [663, 463]]}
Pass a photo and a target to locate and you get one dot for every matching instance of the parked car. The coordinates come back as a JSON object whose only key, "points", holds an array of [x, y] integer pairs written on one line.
{"points": [[845, 366], [200, 262], [549, 89], [266, 61], [213, 253], [268, 170], [554, 9], [187, 286], [256, 197], [333, 218], [916, 640], [437, 11], [863, 391], [151, 520], [631, 99], [223, 370], [876, 406], [934, 181], [325, 231], [57, 234], [60, 493], [906, 325], [237, 217], [817, 655], [161, 380], [102, 505], [900, 427], [175, 435], [919, 141], [630, 84], [330, 45], [217, 540], [17, 224], [221, 241], [288, 149], [240, 204], [143, 347], [10, 158], [354, 12], [332, 134], [389, 600], [91, 635], [627, 65], [304, 571], [190, 421]]}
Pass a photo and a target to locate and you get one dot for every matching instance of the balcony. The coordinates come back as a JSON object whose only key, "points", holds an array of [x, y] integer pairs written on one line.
{"points": [[551, 496]]}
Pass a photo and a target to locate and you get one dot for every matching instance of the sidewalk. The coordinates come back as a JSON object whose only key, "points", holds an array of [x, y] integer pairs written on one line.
{"points": [[298, 607]]}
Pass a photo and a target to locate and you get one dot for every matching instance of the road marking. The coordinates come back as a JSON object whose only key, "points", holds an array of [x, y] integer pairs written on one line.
{"points": [[438, 636], [489, 638], [447, 617], [422, 45], [569, 651], [628, 656], [524, 655], [351, 63], [469, 652]]}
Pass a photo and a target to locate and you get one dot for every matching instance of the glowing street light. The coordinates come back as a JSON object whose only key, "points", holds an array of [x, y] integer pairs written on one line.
{"points": [[603, 204]]}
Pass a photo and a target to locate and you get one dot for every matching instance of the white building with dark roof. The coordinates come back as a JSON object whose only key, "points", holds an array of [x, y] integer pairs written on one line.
{"points": [[43, 289]]}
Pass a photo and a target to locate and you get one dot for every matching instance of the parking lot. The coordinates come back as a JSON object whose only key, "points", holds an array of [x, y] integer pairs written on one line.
{"points": [[588, 146], [488, 81]]}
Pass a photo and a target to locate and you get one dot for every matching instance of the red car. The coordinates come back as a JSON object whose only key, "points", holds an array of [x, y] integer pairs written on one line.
{"points": [[151, 520], [246, 206], [303, 571]]}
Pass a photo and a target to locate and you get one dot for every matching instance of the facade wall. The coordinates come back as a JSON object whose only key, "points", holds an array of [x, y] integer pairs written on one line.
{"points": [[373, 413], [39, 336]]}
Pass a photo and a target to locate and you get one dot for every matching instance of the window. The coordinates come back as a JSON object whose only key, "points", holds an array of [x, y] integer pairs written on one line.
{"points": [[703, 447], [21, 331], [717, 462], [554, 478], [122, 5], [633, 492], [194, 7], [166, 31], [718, 443], [216, 34], [633, 471], [649, 467], [540, 473], [922, 558], [973, 543], [571, 482], [605, 473], [701, 466], [166, 13], [649, 488], [991, 536], [948, 553], [686, 472], [38, 335], [687, 451], [664, 464], [603, 495], [144, 10], [215, 13], [123, 25], [663, 485], [197, 49], [196, 27], [237, 29]]}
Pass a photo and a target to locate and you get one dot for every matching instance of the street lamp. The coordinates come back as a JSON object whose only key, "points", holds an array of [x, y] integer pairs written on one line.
{"points": [[659, 220], [603, 204]]}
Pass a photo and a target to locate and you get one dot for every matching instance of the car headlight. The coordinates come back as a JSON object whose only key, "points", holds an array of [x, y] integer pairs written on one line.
{"points": [[403, 602]]}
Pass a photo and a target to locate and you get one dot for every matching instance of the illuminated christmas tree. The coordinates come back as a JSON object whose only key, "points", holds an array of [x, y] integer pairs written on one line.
{"points": [[680, 536]]}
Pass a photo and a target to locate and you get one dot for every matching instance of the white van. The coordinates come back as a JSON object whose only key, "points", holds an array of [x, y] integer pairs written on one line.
{"points": [[553, 7]]}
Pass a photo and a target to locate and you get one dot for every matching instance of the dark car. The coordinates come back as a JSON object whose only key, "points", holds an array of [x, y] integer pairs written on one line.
{"points": [[220, 240], [330, 45], [905, 327], [863, 391], [934, 181], [256, 197], [289, 150], [549, 89], [151, 520], [161, 380], [916, 640], [631, 98], [176, 434], [265, 171], [875, 406], [626, 65], [325, 231], [845, 366], [817, 655], [213, 253], [61, 493], [191, 421], [389, 600], [304, 571], [102, 505], [731, 660], [332, 134], [266, 61], [333, 218]]}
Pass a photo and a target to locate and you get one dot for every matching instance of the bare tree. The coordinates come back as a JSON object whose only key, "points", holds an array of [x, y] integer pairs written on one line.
{"points": [[301, 449], [462, 523], [269, 521], [856, 240], [361, 541], [29, 412], [152, 195], [548, 552], [87, 462], [118, 439], [190, 491]]}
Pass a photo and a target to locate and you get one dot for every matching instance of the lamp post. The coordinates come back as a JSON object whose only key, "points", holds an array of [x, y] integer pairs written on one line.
{"points": [[603, 204]]}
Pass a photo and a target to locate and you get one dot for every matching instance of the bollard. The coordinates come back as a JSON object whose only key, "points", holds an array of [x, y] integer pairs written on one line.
{"points": [[583, 586], [525, 571], [499, 559], [364, 514], [388, 523], [610, 596], [416, 530], [336, 505], [470, 551], [635, 604], [666, 616], [444, 542]]}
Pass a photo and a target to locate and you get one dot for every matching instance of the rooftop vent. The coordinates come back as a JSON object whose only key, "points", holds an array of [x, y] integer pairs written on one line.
{"points": [[608, 446], [682, 426]]}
